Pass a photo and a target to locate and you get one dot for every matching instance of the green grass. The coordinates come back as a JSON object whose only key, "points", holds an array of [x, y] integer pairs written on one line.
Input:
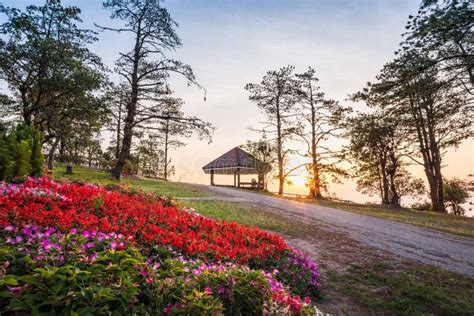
{"points": [[235, 212], [148, 185], [419, 290]]}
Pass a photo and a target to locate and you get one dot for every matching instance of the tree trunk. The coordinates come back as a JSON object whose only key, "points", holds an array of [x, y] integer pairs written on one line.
{"points": [[430, 153], [315, 188], [165, 174], [392, 172], [281, 176], [385, 185], [126, 145], [131, 111], [436, 193], [281, 184], [119, 127], [395, 198], [51, 153]]}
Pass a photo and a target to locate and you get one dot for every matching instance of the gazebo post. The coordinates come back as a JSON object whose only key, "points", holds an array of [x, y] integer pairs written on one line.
{"points": [[235, 178], [212, 177], [238, 177], [261, 181]]}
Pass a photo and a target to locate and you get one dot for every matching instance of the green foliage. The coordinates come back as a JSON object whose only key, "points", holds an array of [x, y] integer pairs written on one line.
{"points": [[37, 159], [20, 153], [455, 193], [422, 206], [127, 167], [54, 80], [77, 274]]}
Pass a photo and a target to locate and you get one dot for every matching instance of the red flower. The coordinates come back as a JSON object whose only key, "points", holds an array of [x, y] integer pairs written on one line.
{"points": [[143, 217]]}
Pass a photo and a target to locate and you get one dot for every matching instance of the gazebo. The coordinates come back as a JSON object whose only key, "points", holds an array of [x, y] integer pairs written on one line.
{"points": [[239, 162]]}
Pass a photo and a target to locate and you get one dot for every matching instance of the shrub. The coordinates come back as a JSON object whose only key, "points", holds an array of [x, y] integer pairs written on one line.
{"points": [[421, 206], [127, 167], [45, 271], [20, 153]]}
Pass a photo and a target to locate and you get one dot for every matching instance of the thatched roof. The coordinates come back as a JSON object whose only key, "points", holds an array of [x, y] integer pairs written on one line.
{"points": [[234, 160]]}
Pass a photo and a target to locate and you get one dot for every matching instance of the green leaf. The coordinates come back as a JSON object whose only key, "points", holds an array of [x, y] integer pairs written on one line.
{"points": [[9, 279]]}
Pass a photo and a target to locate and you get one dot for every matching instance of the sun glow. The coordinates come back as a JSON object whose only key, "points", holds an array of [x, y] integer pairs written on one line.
{"points": [[298, 180]]}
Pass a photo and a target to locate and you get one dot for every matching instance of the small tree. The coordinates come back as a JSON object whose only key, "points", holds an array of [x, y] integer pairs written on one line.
{"points": [[149, 157], [19, 154], [170, 128], [265, 151], [377, 147], [456, 192]]}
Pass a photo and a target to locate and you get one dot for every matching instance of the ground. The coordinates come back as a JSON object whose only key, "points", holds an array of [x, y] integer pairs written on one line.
{"points": [[357, 277]]}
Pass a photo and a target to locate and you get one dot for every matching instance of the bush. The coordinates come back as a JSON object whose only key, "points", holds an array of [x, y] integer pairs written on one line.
{"points": [[422, 206], [20, 153], [94, 273], [127, 167]]}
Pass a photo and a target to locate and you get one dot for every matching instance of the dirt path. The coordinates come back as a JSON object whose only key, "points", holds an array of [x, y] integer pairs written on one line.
{"points": [[450, 252]]}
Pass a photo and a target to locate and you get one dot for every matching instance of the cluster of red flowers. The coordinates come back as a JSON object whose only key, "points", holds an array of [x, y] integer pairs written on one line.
{"points": [[45, 202]]}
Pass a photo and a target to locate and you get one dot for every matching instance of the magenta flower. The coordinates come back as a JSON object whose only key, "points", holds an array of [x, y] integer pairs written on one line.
{"points": [[60, 258], [15, 290]]}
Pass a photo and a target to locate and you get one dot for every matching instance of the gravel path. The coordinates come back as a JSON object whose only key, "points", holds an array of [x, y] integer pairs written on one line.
{"points": [[451, 252]]}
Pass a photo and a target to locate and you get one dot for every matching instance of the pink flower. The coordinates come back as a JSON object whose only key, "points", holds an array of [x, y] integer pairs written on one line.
{"points": [[15, 290], [208, 290]]}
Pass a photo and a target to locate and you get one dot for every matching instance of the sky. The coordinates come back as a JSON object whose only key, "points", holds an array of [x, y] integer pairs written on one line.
{"points": [[231, 43]]}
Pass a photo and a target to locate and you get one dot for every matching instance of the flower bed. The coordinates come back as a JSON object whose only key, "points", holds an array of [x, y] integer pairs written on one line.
{"points": [[65, 205], [44, 270], [203, 250]]}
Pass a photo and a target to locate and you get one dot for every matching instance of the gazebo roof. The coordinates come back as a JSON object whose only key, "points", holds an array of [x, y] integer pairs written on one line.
{"points": [[235, 160]]}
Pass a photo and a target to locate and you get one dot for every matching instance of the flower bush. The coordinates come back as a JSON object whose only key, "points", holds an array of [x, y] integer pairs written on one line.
{"points": [[151, 224], [46, 271], [64, 205]]}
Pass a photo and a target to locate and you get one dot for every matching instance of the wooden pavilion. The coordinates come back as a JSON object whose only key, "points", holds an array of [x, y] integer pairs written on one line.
{"points": [[238, 162]]}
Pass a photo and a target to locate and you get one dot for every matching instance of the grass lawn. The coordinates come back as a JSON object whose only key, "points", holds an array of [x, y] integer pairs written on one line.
{"points": [[417, 290], [235, 212], [148, 185]]}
